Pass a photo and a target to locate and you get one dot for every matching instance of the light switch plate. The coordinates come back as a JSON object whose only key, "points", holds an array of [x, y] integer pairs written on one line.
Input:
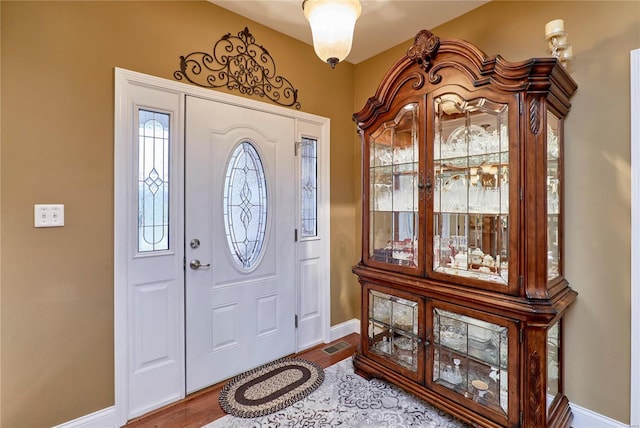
{"points": [[48, 215]]}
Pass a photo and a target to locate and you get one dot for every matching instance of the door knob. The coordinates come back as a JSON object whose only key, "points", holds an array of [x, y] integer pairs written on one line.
{"points": [[195, 265]]}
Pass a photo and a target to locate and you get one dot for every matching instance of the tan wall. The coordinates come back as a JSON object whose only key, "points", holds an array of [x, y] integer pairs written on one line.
{"points": [[597, 359], [57, 147]]}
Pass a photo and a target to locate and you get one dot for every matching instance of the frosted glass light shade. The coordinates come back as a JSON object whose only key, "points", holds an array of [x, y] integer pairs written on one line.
{"points": [[332, 23]]}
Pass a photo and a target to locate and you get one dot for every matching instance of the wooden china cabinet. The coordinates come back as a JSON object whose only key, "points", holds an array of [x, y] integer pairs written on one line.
{"points": [[463, 291]]}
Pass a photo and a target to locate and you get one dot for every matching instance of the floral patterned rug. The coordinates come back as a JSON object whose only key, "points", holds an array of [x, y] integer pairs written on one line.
{"points": [[347, 400]]}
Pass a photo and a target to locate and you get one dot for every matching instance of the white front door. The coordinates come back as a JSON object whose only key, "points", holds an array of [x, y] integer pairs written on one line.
{"points": [[235, 317], [239, 239]]}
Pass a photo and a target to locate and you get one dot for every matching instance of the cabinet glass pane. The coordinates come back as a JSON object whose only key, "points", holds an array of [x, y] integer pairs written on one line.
{"points": [[470, 357], [553, 196], [471, 189], [553, 363], [393, 329], [393, 189]]}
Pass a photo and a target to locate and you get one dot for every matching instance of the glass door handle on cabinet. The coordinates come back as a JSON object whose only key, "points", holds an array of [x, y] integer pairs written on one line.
{"points": [[423, 342], [422, 184], [426, 340]]}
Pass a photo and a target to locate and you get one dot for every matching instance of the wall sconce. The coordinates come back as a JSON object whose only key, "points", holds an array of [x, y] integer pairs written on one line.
{"points": [[332, 23], [557, 39]]}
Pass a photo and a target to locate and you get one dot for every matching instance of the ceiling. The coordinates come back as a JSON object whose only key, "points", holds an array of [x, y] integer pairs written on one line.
{"points": [[383, 24]]}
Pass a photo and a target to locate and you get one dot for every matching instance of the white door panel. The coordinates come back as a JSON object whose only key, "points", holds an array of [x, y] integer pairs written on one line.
{"points": [[154, 280], [313, 248], [237, 318]]}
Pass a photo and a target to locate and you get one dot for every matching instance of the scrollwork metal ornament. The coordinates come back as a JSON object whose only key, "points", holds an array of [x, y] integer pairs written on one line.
{"points": [[424, 49], [238, 63]]}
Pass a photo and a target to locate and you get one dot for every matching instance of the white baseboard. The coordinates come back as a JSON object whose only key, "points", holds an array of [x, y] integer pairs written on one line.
{"points": [[341, 330], [585, 418], [105, 418]]}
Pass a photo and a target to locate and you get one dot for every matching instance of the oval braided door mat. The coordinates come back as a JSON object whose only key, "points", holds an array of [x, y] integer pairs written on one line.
{"points": [[270, 387]]}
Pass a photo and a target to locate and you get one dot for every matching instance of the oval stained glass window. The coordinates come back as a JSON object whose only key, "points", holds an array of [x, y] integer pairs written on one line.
{"points": [[245, 205]]}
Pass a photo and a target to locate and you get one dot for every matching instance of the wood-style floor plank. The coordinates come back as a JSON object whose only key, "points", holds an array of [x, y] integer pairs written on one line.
{"points": [[201, 408]]}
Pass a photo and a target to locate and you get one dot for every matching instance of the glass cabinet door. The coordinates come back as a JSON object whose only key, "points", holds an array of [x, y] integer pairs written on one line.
{"points": [[553, 363], [393, 331], [393, 190], [470, 358], [553, 196], [471, 189]]}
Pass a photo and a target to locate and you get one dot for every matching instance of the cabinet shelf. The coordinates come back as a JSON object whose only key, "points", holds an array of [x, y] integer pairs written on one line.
{"points": [[402, 330], [391, 164], [496, 360], [394, 211], [472, 160], [479, 213]]}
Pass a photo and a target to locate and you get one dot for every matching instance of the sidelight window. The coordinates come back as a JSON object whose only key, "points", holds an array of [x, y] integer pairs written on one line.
{"points": [[309, 188], [153, 181]]}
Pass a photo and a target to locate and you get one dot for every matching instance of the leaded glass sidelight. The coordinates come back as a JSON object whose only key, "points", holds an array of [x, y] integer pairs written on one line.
{"points": [[309, 188], [245, 205], [471, 194], [153, 181]]}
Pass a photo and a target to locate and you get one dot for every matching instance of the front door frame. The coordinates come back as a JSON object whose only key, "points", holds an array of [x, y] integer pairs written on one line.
{"points": [[125, 78]]}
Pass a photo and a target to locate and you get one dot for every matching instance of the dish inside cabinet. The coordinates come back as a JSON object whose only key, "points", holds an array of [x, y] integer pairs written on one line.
{"points": [[470, 358], [393, 329]]}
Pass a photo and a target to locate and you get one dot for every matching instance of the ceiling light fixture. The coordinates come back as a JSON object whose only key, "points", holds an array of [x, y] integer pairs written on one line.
{"points": [[332, 23]]}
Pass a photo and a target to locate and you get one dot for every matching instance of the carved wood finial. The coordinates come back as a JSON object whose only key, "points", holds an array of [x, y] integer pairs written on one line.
{"points": [[424, 49]]}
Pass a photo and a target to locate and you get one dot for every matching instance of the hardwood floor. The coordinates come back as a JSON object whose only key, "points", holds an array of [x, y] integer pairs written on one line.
{"points": [[202, 407]]}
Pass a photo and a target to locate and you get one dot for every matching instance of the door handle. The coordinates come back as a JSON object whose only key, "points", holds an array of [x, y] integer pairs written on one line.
{"points": [[195, 265]]}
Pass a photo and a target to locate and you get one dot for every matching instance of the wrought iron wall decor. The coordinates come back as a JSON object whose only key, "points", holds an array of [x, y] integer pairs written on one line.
{"points": [[238, 63]]}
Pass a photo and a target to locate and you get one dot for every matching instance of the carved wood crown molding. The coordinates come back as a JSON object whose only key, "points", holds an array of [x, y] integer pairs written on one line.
{"points": [[424, 49], [238, 63], [433, 56]]}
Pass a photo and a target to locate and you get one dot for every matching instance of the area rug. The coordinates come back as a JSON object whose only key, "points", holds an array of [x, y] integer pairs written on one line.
{"points": [[346, 400], [270, 387]]}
